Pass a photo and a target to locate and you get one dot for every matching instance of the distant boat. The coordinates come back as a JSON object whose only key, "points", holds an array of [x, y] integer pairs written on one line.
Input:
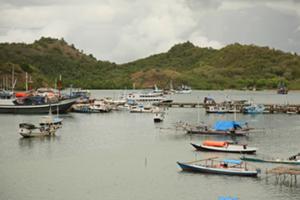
{"points": [[4, 94], [96, 107], [51, 120], [144, 109], [223, 167], [291, 112], [184, 89], [254, 109], [209, 101], [83, 108], [282, 89], [101, 106], [117, 102], [156, 90], [293, 160], [224, 146], [146, 98], [82, 95], [159, 117], [217, 109]]}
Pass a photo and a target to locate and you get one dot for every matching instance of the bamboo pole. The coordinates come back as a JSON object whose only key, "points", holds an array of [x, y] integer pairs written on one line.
{"points": [[201, 160]]}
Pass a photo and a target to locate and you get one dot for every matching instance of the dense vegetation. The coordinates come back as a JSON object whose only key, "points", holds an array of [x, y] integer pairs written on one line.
{"points": [[232, 67]]}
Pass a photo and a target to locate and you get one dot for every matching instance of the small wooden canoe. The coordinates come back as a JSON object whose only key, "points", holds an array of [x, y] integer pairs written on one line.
{"points": [[223, 168], [227, 147], [275, 161]]}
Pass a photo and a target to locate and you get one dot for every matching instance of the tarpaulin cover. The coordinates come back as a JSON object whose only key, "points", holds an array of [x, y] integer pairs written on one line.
{"points": [[227, 125], [238, 162]]}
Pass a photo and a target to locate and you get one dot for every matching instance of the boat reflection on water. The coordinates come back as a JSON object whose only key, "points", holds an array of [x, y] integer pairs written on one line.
{"points": [[32, 142]]}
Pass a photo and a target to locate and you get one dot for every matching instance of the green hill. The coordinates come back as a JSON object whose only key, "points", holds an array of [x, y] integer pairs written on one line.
{"points": [[232, 67]]}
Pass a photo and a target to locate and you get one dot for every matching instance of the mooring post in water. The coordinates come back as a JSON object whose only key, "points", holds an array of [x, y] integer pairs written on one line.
{"points": [[276, 179], [267, 175], [283, 179]]}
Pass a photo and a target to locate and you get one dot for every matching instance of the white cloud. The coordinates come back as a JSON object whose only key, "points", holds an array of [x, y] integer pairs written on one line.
{"points": [[124, 30]]}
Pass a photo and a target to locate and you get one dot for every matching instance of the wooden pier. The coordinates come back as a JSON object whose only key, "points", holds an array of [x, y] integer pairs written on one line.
{"points": [[269, 108], [285, 175]]}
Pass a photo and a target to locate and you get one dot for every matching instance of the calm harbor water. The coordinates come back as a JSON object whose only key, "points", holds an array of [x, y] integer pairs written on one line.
{"points": [[121, 155]]}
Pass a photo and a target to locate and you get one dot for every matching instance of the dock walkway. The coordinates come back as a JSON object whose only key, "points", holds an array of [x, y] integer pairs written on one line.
{"points": [[269, 108]]}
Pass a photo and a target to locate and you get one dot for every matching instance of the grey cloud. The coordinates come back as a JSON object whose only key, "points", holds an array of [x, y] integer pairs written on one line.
{"points": [[258, 25], [125, 30], [200, 4]]}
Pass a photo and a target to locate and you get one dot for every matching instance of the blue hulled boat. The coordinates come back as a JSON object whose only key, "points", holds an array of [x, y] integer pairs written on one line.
{"points": [[254, 109], [224, 167]]}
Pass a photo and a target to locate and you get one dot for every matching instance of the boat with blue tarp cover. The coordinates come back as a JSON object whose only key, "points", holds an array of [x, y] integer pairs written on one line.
{"points": [[222, 127], [223, 167]]}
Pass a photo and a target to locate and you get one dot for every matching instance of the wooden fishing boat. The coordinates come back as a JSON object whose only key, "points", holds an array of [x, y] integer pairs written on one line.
{"points": [[224, 146], [232, 128], [275, 161], [30, 130], [10, 106], [223, 167]]}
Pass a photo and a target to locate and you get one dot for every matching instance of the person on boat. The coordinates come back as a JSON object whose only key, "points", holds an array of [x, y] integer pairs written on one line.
{"points": [[294, 157], [205, 128], [224, 165]]}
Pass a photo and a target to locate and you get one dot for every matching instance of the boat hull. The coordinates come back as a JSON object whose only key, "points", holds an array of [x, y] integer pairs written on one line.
{"points": [[212, 132], [157, 120], [63, 107], [288, 162], [221, 171], [224, 149], [26, 133]]}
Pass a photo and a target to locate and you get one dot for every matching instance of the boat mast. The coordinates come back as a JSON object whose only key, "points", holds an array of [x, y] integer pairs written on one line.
{"points": [[6, 83], [234, 111], [30, 83], [59, 85], [198, 111], [26, 83], [12, 78], [50, 110], [57, 111]]}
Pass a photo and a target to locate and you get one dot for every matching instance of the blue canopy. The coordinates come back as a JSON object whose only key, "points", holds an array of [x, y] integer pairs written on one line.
{"points": [[227, 125], [238, 162], [228, 198]]}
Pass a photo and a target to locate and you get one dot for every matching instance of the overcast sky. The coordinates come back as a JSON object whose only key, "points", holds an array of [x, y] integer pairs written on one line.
{"points": [[125, 30]]}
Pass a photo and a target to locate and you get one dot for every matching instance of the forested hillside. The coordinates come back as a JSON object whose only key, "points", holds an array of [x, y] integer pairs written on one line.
{"points": [[232, 67]]}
